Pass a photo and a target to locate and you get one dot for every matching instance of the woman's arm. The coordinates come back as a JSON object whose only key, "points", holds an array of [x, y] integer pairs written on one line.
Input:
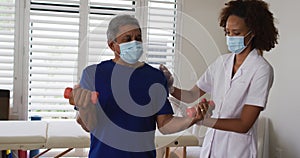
{"points": [[188, 96], [248, 117]]}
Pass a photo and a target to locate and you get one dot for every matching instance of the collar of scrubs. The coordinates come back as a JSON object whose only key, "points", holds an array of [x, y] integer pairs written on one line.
{"points": [[247, 64]]}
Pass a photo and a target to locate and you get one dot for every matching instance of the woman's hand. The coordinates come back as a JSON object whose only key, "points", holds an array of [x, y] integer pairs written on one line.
{"points": [[202, 110], [168, 76]]}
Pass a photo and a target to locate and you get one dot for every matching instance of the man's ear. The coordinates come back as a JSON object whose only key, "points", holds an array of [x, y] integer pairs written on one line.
{"points": [[111, 45]]}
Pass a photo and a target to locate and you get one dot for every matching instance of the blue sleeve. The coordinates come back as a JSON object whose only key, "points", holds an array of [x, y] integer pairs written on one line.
{"points": [[87, 80], [167, 108]]}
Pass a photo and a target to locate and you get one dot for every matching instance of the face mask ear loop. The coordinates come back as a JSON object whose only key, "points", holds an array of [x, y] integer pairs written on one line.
{"points": [[248, 33], [118, 45], [249, 39]]}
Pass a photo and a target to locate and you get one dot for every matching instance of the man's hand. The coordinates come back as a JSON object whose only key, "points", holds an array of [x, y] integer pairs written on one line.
{"points": [[80, 122], [80, 97], [84, 99]]}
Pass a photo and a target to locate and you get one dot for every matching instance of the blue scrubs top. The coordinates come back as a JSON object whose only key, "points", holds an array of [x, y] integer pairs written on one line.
{"points": [[131, 99]]}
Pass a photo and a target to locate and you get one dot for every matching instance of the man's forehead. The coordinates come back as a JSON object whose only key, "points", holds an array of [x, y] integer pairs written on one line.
{"points": [[126, 29]]}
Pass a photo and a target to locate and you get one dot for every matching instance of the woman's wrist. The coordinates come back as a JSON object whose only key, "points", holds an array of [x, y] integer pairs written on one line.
{"points": [[209, 122]]}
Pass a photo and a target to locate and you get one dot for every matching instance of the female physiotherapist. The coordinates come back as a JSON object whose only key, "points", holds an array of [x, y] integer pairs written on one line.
{"points": [[238, 82]]}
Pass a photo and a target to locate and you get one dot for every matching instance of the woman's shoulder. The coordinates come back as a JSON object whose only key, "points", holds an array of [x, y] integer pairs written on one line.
{"points": [[264, 65], [223, 59], [260, 61], [225, 56]]}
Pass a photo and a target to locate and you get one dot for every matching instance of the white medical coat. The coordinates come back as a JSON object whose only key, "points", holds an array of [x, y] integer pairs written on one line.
{"points": [[249, 85]]}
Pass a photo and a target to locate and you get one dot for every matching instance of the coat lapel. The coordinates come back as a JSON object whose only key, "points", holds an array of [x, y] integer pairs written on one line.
{"points": [[228, 65]]}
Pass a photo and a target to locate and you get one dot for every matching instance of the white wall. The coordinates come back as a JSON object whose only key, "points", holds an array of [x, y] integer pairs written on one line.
{"points": [[203, 39], [283, 107]]}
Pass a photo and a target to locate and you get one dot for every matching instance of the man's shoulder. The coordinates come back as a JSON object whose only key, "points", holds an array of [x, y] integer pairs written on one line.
{"points": [[152, 69], [90, 69], [93, 67]]}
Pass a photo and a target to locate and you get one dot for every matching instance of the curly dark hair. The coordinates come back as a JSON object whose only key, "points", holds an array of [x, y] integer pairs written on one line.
{"points": [[257, 17]]}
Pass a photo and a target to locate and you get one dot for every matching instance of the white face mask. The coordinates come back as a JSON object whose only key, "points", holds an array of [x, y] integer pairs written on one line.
{"points": [[131, 51], [236, 44]]}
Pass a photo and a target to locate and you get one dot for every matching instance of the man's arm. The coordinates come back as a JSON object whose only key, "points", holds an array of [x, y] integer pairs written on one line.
{"points": [[167, 123], [80, 122], [188, 96]]}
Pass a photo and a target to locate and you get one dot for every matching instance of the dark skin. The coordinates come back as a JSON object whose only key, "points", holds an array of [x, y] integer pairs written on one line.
{"points": [[235, 26], [166, 123], [126, 33]]}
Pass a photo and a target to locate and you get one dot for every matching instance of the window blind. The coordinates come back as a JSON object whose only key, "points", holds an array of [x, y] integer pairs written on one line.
{"points": [[57, 33], [53, 56], [161, 32], [101, 12], [7, 31]]}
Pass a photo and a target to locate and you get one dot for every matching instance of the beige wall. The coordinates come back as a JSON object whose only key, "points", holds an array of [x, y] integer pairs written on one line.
{"points": [[284, 106], [202, 39]]}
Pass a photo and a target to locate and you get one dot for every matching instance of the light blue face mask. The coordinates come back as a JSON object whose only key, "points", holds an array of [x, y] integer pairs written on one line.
{"points": [[236, 44], [131, 51]]}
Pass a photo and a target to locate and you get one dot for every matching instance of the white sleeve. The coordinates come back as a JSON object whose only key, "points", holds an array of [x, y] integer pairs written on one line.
{"points": [[260, 86], [206, 81]]}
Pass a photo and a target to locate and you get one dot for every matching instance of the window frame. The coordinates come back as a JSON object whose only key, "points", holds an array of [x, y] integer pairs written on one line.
{"points": [[20, 97]]}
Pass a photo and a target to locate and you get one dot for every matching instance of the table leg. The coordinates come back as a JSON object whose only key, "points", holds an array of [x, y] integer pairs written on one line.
{"points": [[184, 152], [167, 152], [42, 153], [63, 153]]}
